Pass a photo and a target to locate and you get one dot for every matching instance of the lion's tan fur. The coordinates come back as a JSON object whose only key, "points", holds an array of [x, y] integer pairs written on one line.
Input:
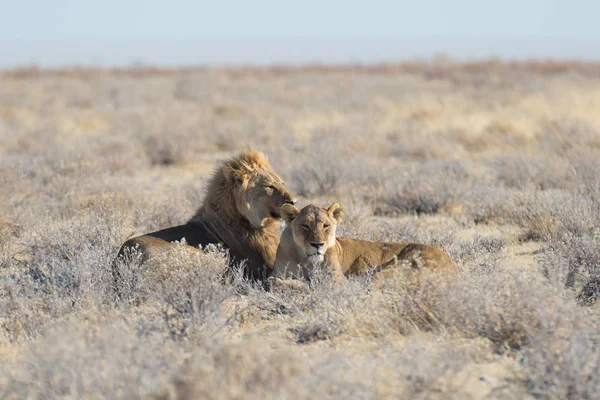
{"points": [[297, 257], [240, 210]]}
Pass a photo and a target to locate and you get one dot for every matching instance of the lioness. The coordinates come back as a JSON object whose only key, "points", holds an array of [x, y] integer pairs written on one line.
{"points": [[241, 211], [309, 240]]}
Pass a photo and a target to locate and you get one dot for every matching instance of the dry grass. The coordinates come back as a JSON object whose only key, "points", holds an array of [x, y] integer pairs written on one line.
{"points": [[497, 163]]}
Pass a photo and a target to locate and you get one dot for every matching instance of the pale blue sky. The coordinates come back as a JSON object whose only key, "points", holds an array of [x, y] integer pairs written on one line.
{"points": [[111, 32]]}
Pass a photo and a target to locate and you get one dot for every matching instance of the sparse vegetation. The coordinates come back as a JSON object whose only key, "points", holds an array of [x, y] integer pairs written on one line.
{"points": [[497, 163]]}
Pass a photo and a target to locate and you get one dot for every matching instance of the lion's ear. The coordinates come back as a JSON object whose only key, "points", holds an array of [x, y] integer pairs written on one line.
{"points": [[336, 211], [289, 212]]}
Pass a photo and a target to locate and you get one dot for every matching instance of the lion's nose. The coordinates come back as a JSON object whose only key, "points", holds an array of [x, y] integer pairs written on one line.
{"points": [[290, 201], [317, 245]]}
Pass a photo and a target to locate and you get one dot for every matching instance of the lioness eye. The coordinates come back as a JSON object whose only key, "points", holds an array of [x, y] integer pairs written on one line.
{"points": [[271, 187], [325, 226], [305, 227]]}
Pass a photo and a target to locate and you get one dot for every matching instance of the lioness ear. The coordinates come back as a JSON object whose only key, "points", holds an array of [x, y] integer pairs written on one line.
{"points": [[289, 212], [336, 211]]}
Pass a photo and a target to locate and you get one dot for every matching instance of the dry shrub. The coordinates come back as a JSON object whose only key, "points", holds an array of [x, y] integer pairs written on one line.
{"points": [[502, 306], [526, 172], [7, 230], [496, 136], [322, 177], [445, 148], [570, 136], [66, 271], [534, 211], [573, 257], [322, 309], [191, 290], [162, 150], [481, 255], [315, 332], [97, 357], [249, 370], [562, 363], [319, 173], [110, 356], [254, 370], [436, 186], [572, 260]]}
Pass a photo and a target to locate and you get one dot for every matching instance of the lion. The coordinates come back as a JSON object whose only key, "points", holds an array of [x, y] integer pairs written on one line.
{"points": [[241, 212], [309, 240]]}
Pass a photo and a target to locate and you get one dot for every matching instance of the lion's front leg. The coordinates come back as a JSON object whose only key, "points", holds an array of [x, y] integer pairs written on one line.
{"points": [[276, 283], [332, 266]]}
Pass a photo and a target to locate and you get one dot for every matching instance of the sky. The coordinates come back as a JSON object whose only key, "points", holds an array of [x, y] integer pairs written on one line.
{"points": [[110, 32]]}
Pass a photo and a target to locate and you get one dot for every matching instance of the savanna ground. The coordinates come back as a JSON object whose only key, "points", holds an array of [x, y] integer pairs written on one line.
{"points": [[496, 163]]}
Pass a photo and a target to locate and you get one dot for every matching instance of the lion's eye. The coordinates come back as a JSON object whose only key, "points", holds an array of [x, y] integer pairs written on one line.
{"points": [[326, 226], [271, 187], [305, 227]]}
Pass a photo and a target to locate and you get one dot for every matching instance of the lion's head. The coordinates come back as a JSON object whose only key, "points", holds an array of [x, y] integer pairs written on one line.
{"points": [[247, 185], [313, 228]]}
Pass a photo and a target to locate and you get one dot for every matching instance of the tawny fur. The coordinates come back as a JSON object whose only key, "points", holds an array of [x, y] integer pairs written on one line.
{"points": [[297, 255], [240, 211]]}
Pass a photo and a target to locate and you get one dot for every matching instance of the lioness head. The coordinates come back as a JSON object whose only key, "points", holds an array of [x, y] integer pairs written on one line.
{"points": [[258, 191], [313, 228]]}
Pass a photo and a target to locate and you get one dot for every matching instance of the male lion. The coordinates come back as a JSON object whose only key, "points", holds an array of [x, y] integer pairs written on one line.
{"points": [[309, 240], [241, 211]]}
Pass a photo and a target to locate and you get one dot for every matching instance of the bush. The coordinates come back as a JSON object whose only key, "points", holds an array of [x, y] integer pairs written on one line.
{"points": [[460, 156]]}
